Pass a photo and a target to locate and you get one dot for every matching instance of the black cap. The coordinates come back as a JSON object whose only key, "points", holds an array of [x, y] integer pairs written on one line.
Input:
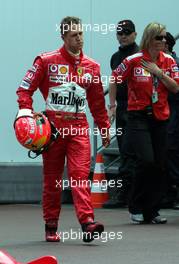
{"points": [[125, 26], [170, 40]]}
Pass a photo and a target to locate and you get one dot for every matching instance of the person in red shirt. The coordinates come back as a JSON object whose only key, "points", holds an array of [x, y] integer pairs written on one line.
{"points": [[150, 74], [67, 79]]}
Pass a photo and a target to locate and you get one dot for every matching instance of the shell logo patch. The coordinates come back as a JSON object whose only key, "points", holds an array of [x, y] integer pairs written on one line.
{"points": [[63, 69]]}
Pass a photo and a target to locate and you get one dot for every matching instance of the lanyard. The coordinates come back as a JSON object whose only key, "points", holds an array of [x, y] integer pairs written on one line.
{"points": [[155, 83], [154, 89]]}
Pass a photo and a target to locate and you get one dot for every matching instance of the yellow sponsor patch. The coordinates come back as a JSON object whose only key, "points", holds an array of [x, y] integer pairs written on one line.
{"points": [[146, 73], [63, 69]]}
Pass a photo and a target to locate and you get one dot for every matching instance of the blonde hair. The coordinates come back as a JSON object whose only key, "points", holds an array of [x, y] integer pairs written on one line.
{"points": [[150, 32]]}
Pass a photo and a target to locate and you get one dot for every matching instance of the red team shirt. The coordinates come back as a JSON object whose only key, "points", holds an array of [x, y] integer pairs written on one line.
{"points": [[141, 82]]}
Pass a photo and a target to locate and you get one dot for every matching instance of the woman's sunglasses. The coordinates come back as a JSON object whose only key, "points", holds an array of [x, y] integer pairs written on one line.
{"points": [[160, 38]]}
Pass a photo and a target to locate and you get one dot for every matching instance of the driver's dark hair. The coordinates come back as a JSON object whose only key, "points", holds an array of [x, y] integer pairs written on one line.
{"points": [[67, 22]]}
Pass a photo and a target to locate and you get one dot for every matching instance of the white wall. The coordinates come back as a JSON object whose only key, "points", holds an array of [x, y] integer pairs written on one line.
{"points": [[28, 28]]}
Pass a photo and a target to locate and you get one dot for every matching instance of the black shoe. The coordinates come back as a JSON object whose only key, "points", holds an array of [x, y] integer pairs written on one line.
{"points": [[91, 231], [159, 220]]}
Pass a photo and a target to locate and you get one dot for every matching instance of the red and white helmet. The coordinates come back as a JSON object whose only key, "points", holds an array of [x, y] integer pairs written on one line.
{"points": [[33, 132]]}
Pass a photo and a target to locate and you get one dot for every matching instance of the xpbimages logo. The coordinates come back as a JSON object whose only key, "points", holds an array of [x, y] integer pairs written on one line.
{"points": [[102, 28], [79, 235], [86, 79], [103, 184], [83, 131]]}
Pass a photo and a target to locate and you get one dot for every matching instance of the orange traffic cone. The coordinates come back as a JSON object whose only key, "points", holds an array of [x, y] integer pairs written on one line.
{"points": [[5, 258], [99, 193]]}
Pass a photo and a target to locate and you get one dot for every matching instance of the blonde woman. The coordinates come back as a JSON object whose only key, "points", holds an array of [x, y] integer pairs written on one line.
{"points": [[150, 74]]}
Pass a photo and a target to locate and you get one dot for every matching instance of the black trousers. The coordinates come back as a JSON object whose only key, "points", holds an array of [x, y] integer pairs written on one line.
{"points": [[121, 123], [146, 137], [127, 160]]}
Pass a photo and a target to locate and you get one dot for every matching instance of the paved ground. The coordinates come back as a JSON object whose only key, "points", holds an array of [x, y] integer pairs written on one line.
{"points": [[22, 231]]}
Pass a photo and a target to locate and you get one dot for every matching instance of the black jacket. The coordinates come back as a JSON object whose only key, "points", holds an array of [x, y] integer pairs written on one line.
{"points": [[116, 59]]}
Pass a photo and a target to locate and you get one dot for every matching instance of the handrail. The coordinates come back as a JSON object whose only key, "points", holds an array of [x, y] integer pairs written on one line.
{"points": [[101, 146], [106, 92], [112, 162]]}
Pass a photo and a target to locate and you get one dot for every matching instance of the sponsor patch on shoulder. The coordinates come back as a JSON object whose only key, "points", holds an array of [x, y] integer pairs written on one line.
{"points": [[34, 67], [121, 69], [29, 76], [25, 84]]}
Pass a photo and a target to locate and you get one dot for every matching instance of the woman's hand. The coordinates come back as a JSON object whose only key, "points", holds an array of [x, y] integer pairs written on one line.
{"points": [[152, 68], [168, 82]]}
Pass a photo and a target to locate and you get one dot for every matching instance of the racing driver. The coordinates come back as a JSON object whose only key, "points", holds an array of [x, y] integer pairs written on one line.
{"points": [[67, 79]]}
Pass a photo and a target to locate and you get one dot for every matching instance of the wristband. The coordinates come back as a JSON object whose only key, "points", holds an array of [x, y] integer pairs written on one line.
{"points": [[161, 76]]}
